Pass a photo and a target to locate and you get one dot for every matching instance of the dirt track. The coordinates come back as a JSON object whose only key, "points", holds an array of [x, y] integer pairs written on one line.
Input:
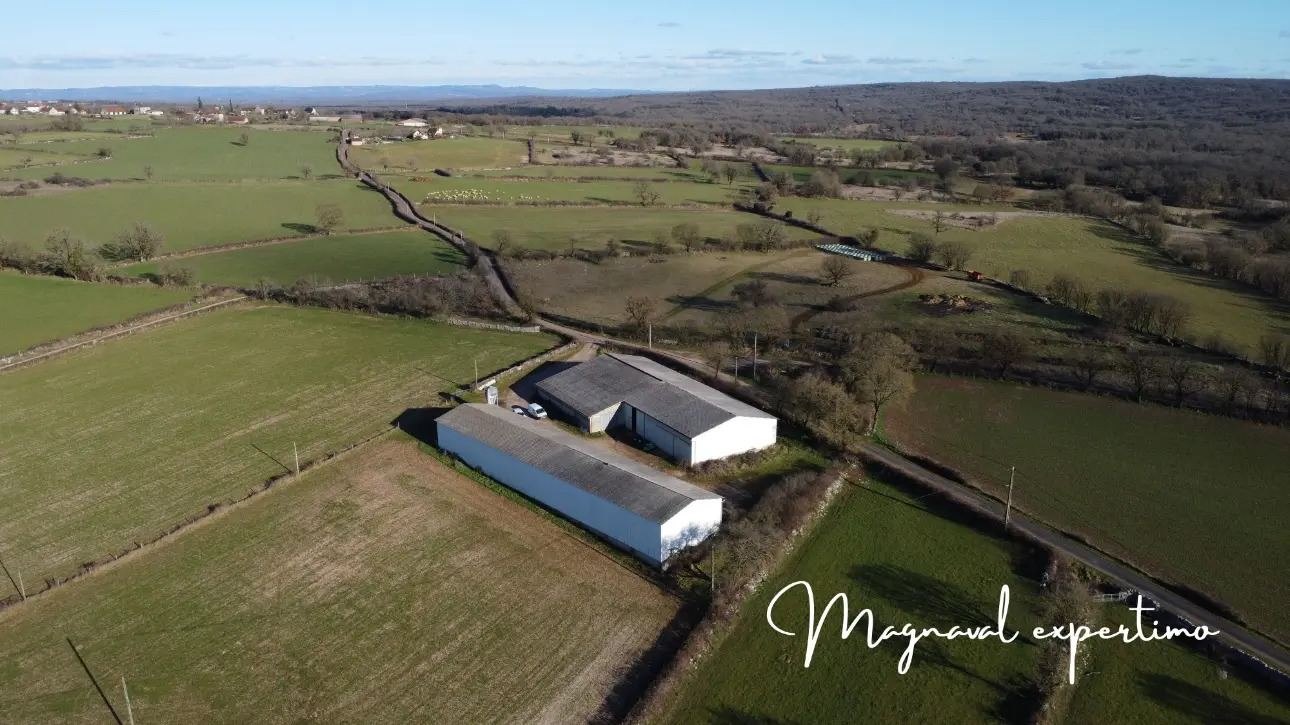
{"points": [[914, 275]]}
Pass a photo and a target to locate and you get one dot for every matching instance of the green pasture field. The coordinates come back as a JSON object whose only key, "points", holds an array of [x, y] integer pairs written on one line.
{"points": [[444, 153], [846, 144], [1193, 498], [439, 190], [650, 173], [191, 215], [1096, 252], [1163, 683], [38, 310], [47, 137], [586, 228], [10, 123], [915, 560], [116, 443], [384, 587], [16, 157], [897, 556], [203, 153], [339, 258]]}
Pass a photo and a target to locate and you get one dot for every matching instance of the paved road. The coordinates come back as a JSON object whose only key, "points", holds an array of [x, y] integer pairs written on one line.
{"points": [[1254, 645]]}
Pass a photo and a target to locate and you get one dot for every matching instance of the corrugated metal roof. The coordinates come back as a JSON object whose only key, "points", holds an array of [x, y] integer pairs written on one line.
{"points": [[633, 486], [675, 400]]}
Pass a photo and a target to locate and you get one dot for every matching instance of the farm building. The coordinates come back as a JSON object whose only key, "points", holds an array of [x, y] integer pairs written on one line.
{"points": [[352, 118], [687, 420], [113, 111], [636, 507], [413, 123], [864, 255]]}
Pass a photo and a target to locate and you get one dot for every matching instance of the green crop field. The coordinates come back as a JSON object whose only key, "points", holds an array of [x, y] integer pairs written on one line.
{"points": [[191, 215], [113, 444], [1194, 498], [42, 309], [382, 588], [589, 228], [476, 190], [651, 173], [561, 133], [197, 153], [1099, 254], [446, 153], [890, 553], [337, 258]]}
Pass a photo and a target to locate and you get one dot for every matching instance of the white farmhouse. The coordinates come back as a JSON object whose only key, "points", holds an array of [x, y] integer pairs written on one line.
{"points": [[413, 123], [634, 506], [687, 420]]}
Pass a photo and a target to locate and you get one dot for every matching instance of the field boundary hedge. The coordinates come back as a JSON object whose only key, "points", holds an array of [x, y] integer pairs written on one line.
{"points": [[200, 251]]}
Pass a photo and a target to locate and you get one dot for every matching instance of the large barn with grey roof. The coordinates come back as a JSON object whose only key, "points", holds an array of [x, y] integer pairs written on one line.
{"points": [[687, 420], [637, 507]]}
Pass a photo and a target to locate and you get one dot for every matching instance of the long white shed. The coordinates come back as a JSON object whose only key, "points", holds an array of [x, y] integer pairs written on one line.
{"points": [[638, 508]]}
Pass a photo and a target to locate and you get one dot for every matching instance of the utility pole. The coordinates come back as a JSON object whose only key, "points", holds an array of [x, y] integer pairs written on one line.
{"points": [[1007, 514], [651, 335], [476, 371], [22, 591], [754, 377], [296, 451]]}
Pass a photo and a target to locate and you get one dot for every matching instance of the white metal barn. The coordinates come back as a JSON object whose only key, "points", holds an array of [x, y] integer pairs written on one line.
{"points": [[643, 510], [688, 421]]}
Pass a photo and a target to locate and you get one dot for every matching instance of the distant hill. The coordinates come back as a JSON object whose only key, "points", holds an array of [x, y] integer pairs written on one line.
{"points": [[317, 95]]}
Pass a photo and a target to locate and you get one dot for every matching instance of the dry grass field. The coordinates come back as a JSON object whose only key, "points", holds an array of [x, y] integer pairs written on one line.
{"points": [[403, 592]]}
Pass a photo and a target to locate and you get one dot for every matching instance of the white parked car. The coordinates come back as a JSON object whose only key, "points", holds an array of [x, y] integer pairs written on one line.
{"points": [[537, 411]]}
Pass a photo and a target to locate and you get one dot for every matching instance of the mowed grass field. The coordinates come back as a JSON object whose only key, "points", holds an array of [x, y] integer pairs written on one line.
{"points": [[1193, 498], [17, 157], [339, 258], [382, 588], [587, 228], [198, 153], [114, 444], [444, 153], [619, 192], [889, 553], [40, 309], [1099, 254], [191, 215]]}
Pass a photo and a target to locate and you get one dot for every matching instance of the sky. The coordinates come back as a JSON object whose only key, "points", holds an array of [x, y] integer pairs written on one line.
{"points": [[659, 45]]}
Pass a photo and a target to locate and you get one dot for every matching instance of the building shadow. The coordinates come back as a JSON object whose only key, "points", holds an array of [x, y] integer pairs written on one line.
{"points": [[526, 387], [419, 422], [1194, 704]]}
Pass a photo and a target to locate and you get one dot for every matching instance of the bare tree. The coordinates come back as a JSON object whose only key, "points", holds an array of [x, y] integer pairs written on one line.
{"points": [[921, 247], [687, 235], [147, 172], [879, 371], [835, 269], [938, 221], [731, 172], [141, 242], [244, 139], [954, 255], [1005, 350], [1089, 365], [867, 238], [1020, 278], [1185, 376], [646, 193], [1274, 350], [640, 310], [330, 217], [1142, 371], [307, 171], [502, 242]]}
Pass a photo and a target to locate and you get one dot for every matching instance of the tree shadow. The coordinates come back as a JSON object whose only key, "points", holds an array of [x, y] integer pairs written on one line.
{"points": [[703, 304], [632, 681], [935, 602], [1193, 703], [300, 228]]}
